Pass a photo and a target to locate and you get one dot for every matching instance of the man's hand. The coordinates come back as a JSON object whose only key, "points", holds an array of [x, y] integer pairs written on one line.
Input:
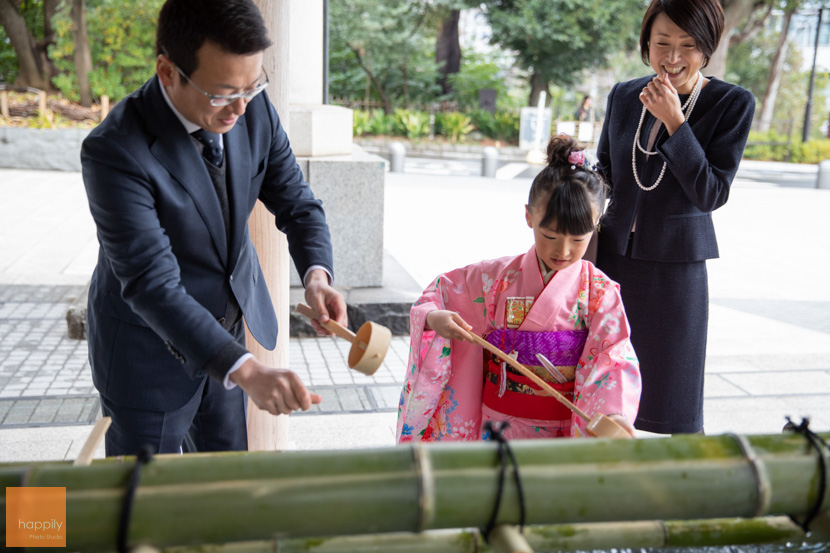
{"points": [[326, 302], [278, 391]]}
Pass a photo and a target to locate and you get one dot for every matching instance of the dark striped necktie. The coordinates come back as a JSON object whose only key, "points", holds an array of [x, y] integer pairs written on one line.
{"points": [[212, 143]]}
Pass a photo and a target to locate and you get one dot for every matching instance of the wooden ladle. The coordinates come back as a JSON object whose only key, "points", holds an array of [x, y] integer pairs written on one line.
{"points": [[369, 345], [600, 426]]}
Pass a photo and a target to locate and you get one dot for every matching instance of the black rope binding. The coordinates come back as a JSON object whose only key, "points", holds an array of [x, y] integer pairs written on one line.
{"points": [[496, 431], [145, 454], [817, 442]]}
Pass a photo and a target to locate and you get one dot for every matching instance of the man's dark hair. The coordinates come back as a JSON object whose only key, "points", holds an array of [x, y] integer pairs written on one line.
{"points": [[701, 19], [236, 26]]}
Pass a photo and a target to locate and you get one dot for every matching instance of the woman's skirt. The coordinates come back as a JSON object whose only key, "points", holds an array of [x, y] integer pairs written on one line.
{"points": [[667, 305]]}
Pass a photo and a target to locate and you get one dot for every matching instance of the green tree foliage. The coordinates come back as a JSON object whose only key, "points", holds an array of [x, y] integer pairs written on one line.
{"points": [[8, 59], [122, 41], [748, 66], [557, 39], [390, 44], [477, 72]]}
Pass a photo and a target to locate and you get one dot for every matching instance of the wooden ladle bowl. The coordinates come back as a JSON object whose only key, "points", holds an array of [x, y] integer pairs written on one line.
{"points": [[369, 345]]}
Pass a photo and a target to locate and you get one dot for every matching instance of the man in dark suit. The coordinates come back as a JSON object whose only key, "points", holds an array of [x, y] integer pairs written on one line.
{"points": [[172, 176]]}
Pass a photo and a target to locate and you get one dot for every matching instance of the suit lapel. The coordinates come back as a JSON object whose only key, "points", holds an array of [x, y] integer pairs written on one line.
{"points": [[175, 150], [237, 158]]}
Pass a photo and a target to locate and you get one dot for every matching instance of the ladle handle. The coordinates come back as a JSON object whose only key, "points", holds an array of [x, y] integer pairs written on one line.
{"points": [[530, 374], [331, 325]]}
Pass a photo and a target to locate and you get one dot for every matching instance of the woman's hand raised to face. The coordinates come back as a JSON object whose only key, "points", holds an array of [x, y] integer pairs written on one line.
{"points": [[661, 99]]}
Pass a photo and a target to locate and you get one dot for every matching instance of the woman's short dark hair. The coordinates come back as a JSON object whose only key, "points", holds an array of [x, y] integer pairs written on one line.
{"points": [[701, 19], [236, 26], [570, 192]]}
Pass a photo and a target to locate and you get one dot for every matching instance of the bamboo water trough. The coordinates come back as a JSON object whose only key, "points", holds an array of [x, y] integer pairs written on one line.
{"points": [[559, 538], [202, 499]]}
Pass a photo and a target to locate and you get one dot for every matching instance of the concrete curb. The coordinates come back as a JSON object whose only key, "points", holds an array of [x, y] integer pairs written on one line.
{"points": [[394, 316], [388, 305], [439, 151]]}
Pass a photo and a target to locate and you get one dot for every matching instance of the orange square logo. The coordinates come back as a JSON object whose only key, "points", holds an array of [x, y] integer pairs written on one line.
{"points": [[35, 517]]}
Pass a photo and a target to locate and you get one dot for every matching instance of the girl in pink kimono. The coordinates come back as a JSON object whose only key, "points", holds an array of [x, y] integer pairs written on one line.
{"points": [[547, 301]]}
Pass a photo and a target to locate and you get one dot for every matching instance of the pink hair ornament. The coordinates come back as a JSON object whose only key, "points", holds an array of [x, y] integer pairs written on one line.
{"points": [[576, 157]]}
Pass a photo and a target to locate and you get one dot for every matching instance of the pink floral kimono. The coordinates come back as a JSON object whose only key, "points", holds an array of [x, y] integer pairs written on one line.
{"points": [[577, 321]]}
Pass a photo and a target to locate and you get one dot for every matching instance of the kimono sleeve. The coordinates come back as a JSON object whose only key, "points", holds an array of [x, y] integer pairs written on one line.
{"points": [[441, 397], [608, 373], [428, 366]]}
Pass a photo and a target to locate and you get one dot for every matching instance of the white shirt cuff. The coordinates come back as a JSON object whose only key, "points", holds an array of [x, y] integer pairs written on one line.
{"points": [[226, 382], [305, 276]]}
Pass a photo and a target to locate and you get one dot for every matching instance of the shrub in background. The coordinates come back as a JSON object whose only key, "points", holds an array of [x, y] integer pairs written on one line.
{"points": [[360, 122], [773, 146], [768, 146], [380, 123], [813, 152], [454, 125], [413, 124], [502, 125]]}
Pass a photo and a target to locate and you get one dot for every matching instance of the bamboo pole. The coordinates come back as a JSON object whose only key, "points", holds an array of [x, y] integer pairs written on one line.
{"points": [[232, 497], [91, 444], [507, 538], [562, 538], [265, 431]]}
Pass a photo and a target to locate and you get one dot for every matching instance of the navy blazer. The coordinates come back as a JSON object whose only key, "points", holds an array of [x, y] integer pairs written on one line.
{"points": [[674, 221], [166, 267]]}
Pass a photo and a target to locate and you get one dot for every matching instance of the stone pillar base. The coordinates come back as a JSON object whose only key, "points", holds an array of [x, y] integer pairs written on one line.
{"points": [[320, 130], [351, 188]]}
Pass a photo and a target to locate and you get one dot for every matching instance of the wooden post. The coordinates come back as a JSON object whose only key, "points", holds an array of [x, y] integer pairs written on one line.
{"points": [[105, 106], [4, 103], [41, 103], [266, 432]]}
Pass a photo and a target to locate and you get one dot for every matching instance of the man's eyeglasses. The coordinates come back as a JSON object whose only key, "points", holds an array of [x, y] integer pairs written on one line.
{"points": [[220, 100]]}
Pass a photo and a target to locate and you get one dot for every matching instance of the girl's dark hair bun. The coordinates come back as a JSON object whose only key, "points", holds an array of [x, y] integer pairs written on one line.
{"points": [[560, 148], [571, 193]]}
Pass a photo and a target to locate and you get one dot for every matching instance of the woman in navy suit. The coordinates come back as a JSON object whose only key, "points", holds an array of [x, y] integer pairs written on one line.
{"points": [[670, 148]]}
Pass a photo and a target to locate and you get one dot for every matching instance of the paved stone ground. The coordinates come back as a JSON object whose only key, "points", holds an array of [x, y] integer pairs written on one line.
{"points": [[45, 376]]}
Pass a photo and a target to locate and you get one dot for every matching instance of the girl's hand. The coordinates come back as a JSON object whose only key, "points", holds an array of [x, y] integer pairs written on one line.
{"points": [[661, 99], [449, 325], [622, 421]]}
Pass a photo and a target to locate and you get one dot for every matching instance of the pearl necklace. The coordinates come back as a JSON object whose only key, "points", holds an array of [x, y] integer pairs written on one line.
{"points": [[690, 104]]}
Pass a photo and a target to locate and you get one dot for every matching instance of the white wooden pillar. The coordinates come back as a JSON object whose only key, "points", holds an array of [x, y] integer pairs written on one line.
{"points": [[266, 432]]}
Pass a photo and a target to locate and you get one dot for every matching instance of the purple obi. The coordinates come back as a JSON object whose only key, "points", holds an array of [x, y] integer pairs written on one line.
{"points": [[563, 347]]}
